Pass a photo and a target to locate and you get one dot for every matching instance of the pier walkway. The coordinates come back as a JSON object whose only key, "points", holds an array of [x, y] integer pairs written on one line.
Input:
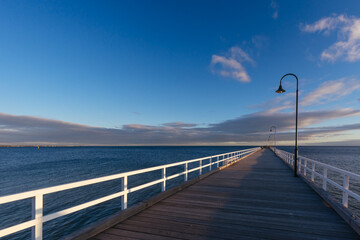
{"points": [[256, 198]]}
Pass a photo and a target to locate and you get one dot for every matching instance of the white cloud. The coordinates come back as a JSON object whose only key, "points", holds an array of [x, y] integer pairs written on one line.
{"points": [[231, 65], [274, 6], [331, 91], [347, 47]]}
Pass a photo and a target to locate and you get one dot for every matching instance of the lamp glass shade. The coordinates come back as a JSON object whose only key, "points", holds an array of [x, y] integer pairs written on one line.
{"points": [[280, 90]]}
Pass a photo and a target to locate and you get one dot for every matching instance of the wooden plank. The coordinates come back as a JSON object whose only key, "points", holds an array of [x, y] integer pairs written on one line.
{"points": [[168, 231], [106, 236], [123, 233], [253, 219], [259, 233], [232, 231], [233, 212]]}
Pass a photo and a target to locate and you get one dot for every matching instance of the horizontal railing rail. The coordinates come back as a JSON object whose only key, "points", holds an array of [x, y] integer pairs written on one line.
{"points": [[37, 196], [315, 168]]}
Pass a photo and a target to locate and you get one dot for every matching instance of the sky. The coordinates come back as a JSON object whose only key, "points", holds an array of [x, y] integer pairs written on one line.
{"points": [[178, 72]]}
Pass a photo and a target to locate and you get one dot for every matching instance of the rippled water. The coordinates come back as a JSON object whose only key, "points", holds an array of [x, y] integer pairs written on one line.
{"points": [[24, 169]]}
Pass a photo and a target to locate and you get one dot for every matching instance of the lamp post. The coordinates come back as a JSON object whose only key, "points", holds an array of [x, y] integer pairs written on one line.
{"points": [[274, 137], [268, 141], [281, 90]]}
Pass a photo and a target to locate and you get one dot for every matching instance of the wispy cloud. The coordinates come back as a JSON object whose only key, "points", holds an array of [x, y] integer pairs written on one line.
{"points": [[260, 41], [231, 64], [275, 7], [347, 46], [179, 125], [331, 91]]}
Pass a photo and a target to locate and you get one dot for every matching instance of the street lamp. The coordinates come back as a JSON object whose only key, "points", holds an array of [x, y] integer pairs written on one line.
{"points": [[281, 90], [274, 136]]}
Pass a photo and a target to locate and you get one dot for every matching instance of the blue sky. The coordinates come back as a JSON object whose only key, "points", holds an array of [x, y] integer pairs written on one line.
{"points": [[178, 72]]}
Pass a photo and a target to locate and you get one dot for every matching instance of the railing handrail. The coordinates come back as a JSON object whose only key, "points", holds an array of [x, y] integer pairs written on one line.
{"points": [[37, 195], [342, 171], [303, 169]]}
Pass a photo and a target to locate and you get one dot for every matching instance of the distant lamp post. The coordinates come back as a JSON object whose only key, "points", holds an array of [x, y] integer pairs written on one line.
{"points": [[281, 90], [268, 141], [274, 137]]}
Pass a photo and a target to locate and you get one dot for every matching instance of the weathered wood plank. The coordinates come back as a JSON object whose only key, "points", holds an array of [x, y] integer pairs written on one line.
{"points": [[224, 225], [123, 233], [251, 219]]}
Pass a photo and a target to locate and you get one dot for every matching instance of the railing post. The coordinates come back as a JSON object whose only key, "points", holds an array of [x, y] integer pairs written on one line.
{"points": [[210, 163], [305, 166], [312, 171], [345, 197], [163, 176], [324, 178], [186, 172], [217, 162], [37, 214], [200, 169], [124, 199]]}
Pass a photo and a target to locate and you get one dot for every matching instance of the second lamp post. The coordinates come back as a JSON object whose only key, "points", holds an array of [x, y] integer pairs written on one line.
{"points": [[274, 137]]}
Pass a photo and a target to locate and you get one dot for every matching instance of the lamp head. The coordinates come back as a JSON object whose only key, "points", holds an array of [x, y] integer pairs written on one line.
{"points": [[280, 90]]}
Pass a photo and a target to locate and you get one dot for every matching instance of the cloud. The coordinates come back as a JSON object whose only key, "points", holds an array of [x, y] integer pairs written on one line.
{"points": [[248, 129], [275, 7], [260, 41], [259, 122], [347, 47], [331, 91], [231, 65], [179, 125]]}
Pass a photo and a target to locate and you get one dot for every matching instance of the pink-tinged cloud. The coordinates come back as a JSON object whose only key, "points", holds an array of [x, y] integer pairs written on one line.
{"points": [[231, 65], [331, 91], [347, 46]]}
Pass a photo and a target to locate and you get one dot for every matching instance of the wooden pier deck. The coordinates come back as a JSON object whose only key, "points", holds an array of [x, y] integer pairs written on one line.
{"points": [[256, 198]]}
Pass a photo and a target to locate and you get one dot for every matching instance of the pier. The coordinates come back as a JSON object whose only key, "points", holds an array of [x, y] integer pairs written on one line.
{"points": [[248, 194], [256, 198]]}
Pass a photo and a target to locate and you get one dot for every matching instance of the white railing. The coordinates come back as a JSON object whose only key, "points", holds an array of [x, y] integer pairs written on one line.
{"points": [[315, 168], [37, 195]]}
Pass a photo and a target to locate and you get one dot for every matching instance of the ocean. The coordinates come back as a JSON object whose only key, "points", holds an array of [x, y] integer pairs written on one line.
{"points": [[28, 168]]}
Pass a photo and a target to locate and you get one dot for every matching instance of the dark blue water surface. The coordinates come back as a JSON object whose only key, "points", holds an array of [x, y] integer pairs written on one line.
{"points": [[28, 168]]}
